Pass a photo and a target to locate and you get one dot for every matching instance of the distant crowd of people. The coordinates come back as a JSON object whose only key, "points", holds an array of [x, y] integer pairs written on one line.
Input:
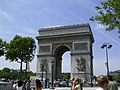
{"points": [[25, 85], [102, 82]]}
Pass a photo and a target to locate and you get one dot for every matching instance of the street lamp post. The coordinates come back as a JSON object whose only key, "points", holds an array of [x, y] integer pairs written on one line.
{"points": [[107, 46], [43, 66], [52, 78], [42, 71]]}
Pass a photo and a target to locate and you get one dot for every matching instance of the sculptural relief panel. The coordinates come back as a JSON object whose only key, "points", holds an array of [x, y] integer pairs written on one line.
{"points": [[45, 49], [81, 64], [82, 46]]}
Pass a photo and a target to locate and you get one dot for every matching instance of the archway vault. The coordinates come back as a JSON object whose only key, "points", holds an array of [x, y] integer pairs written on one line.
{"points": [[55, 41], [59, 51]]}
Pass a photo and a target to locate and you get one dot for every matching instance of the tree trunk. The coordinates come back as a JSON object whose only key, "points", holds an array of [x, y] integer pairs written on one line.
{"points": [[20, 69], [26, 70]]}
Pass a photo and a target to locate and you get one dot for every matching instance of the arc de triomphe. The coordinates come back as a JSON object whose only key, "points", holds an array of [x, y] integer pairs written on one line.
{"points": [[53, 42]]}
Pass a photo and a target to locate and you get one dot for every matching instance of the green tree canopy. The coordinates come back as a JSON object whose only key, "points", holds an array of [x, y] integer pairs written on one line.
{"points": [[12, 74], [6, 70], [65, 76], [2, 47], [5, 73], [109, 14], [21, 49]]}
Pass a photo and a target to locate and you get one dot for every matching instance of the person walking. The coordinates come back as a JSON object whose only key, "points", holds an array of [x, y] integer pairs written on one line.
{"points": [[14, 86], [102, 83], [28, 85], [38, 85], [112, 84], [20, 85], [77, 84]]}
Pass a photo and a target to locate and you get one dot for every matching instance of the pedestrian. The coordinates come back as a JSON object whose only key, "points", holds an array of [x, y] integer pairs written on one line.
{"points": [[46, 83], [112, 84], [20, 85], [14, 86], [28, 85], [77, 84], [38, 85], [102, 83]]}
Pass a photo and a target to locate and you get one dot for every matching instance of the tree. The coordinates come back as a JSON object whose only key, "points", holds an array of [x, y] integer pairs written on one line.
{"points": [[6, 70], [12, 74], [109, 14], [2, 47], [21, 49], [65, 76], [116, 77], [5, 73]]}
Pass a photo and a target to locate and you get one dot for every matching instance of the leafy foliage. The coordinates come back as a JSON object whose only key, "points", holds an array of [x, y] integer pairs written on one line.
{"points": [[116, 77], [109, 14], [21, 49], [13, 74], [65, 76], [2, 47]]}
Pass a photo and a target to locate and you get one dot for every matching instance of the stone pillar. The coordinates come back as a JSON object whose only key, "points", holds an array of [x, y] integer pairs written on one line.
{"points": [[58, 68]]}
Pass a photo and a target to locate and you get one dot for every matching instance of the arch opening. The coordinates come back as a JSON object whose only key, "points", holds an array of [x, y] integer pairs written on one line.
{"points": [[66, 62], [62, 53]]}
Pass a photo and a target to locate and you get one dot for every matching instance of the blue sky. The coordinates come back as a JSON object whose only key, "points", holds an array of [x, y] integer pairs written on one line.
{"points": [[25, 17]]}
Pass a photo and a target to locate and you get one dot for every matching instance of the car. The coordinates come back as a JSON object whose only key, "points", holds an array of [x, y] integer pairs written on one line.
{"points": [[63, 84], [4, 79], [118, 82]]}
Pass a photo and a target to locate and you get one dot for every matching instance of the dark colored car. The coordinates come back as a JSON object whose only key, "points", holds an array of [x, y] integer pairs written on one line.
{"points": [[118, 82]]}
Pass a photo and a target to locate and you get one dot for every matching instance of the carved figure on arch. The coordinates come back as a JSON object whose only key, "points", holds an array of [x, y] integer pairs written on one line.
{"points": [[43, 65], [80, 64]]}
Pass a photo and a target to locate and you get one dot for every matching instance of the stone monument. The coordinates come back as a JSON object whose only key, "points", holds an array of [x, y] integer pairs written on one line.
{"points": [[54, 41]]}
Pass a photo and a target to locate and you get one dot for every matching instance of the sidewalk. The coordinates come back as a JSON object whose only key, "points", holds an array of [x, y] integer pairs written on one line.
{"points": [[67, 88]]}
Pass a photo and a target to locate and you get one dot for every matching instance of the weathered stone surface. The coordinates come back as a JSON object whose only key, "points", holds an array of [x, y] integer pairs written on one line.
{"points": [[53, 42]]}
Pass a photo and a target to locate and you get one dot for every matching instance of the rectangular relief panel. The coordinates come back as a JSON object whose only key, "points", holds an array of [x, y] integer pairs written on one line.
{"points": [[45, 49], [80, 46]]}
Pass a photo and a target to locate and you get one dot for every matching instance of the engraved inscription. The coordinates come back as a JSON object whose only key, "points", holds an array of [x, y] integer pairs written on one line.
{"points": [[80, 46], [44, 48]]}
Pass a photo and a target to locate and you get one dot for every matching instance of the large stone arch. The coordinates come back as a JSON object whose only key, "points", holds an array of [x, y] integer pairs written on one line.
{"points": [[53, 42]]}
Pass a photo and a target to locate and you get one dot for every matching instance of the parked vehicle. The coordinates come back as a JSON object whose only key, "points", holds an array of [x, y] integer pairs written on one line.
{"points": [[4, 79], [118, 82]]}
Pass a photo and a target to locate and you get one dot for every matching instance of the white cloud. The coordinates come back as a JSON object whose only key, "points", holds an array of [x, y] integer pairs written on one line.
{"points": [[15, 65], [30, 31], [27, 32], [5, 15], [100, 68], [114, 64], [87, 4], [101, 28], [8, 64]]}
